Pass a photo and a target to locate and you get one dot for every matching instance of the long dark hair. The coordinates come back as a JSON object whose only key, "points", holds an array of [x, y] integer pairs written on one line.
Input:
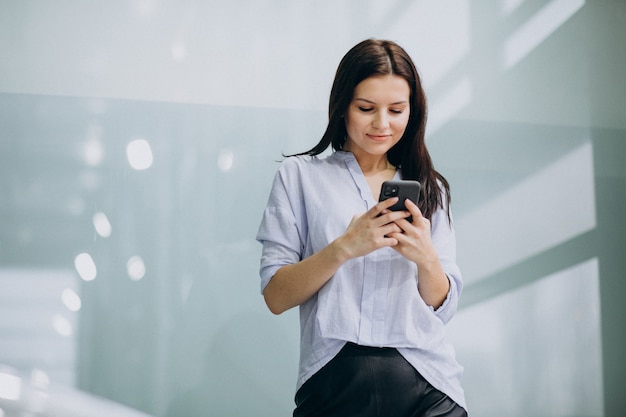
{"points": [[373, 57]]}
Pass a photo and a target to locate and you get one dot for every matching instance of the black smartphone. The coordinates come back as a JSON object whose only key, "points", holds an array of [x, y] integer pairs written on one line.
{"points": [[402, 189]]}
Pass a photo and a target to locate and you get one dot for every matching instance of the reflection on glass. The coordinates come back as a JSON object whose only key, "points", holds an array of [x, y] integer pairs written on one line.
{"points": [[538, 28], [93, 152], [10, 386], [71, 300], [102, 224], [225, 160], [509, 6], [39, 378], [565, 215], [85, 266], [136, 268], [449, 104], [62, 325], [528, 177], [139, 154]]}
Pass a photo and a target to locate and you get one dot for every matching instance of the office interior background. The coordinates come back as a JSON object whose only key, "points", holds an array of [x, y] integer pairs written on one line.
{"points": [[138, 142]]}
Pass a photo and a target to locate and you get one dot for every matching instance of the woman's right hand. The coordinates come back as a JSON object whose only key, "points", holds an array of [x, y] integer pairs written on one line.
{"points": [[370, 230]]}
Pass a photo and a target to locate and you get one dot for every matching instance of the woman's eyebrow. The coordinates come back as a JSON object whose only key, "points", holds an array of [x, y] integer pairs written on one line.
{"points": [[373, 102]]}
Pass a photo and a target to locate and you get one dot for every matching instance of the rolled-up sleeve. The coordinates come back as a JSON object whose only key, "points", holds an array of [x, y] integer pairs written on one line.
{"points": [[444, 240], [280, 231]]}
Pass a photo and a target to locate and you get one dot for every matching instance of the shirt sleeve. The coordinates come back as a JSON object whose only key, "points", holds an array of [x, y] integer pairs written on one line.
{"points": [[282, 231], [444, 240]]}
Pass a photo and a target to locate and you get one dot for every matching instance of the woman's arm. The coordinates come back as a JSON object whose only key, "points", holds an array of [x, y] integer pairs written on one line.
{"points": [[415, 244], [293, 284], [433, 284]]}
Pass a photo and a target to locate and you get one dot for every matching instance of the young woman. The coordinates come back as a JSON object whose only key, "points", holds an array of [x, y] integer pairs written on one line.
{"points": [[374, 290]]}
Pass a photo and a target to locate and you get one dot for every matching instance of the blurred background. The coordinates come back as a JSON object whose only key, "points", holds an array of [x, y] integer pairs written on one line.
{"points": [[138, 142]]}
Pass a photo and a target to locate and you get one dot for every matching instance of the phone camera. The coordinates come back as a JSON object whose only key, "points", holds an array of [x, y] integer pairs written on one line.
{"points": [[390, 191]]}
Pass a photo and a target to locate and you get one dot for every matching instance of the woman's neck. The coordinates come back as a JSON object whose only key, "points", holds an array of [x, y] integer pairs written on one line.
{"points": [[374, 165], [371, 164], [376, 171]]}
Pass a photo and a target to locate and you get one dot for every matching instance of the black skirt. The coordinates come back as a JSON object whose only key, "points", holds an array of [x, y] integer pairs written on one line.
{"points": [[371, 382]]}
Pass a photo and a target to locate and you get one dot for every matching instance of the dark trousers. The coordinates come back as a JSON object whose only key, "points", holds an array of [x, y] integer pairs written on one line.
{"points": [[371, 382]]}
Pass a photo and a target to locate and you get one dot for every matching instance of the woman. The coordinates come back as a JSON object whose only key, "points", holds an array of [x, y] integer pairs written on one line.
{"points": [[374, 289]]}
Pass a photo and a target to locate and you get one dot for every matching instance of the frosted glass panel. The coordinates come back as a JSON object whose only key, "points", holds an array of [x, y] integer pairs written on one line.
{"points": [[538, 347], [138, 142], [147, 212]]}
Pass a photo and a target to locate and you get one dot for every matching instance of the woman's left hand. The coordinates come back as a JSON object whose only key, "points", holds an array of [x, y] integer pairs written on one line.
{"points": [[414, 243]]}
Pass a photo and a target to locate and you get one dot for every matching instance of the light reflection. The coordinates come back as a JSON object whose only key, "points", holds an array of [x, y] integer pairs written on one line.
{"points": [[93, 151], [540, 328], [449, 44], [62, 325], [509, 6], [71, 300], [102, 225], [538, 28], [136, 268], [85, 266], [452, 102], [39, 378], [10, 386], [225, 160], [565, 213], [139, 154]]}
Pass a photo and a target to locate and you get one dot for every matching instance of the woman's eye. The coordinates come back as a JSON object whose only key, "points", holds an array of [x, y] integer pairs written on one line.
{"points": [[397, 111], [365, 109]]}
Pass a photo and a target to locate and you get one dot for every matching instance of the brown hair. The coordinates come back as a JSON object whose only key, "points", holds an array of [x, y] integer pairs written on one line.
{"points": [[373, 57]]}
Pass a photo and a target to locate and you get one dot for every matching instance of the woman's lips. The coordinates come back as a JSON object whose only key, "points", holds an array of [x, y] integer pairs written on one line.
{"points": [[379, 138]]}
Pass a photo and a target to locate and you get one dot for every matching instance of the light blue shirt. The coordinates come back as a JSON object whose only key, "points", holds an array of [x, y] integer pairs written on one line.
{"points": [[371, 300]]}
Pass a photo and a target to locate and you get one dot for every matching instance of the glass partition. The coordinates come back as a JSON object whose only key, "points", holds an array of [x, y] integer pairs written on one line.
{"points": [[138, 142]]}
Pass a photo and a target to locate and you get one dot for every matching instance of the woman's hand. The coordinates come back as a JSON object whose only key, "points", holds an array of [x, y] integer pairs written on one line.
{"points": [[415, 244], [374, 229]]}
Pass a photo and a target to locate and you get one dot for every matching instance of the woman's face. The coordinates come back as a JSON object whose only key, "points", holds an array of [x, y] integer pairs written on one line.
{"points": [[377, 115]]}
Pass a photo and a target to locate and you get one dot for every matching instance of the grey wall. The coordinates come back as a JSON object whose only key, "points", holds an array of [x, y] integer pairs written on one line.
{"points": [[526, 120]]}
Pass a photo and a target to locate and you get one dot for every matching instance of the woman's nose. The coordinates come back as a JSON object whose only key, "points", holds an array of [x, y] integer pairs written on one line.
{"points": [[381, 120]]}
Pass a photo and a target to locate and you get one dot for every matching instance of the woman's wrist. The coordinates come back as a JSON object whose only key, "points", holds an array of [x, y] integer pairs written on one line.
{"points": [[337, 252]]}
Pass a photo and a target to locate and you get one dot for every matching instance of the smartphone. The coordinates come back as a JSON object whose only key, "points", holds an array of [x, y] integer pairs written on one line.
{"points": [[402, 189]]}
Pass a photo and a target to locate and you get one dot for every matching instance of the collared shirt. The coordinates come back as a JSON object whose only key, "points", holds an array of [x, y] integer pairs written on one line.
{"points": [[371, 300]]}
